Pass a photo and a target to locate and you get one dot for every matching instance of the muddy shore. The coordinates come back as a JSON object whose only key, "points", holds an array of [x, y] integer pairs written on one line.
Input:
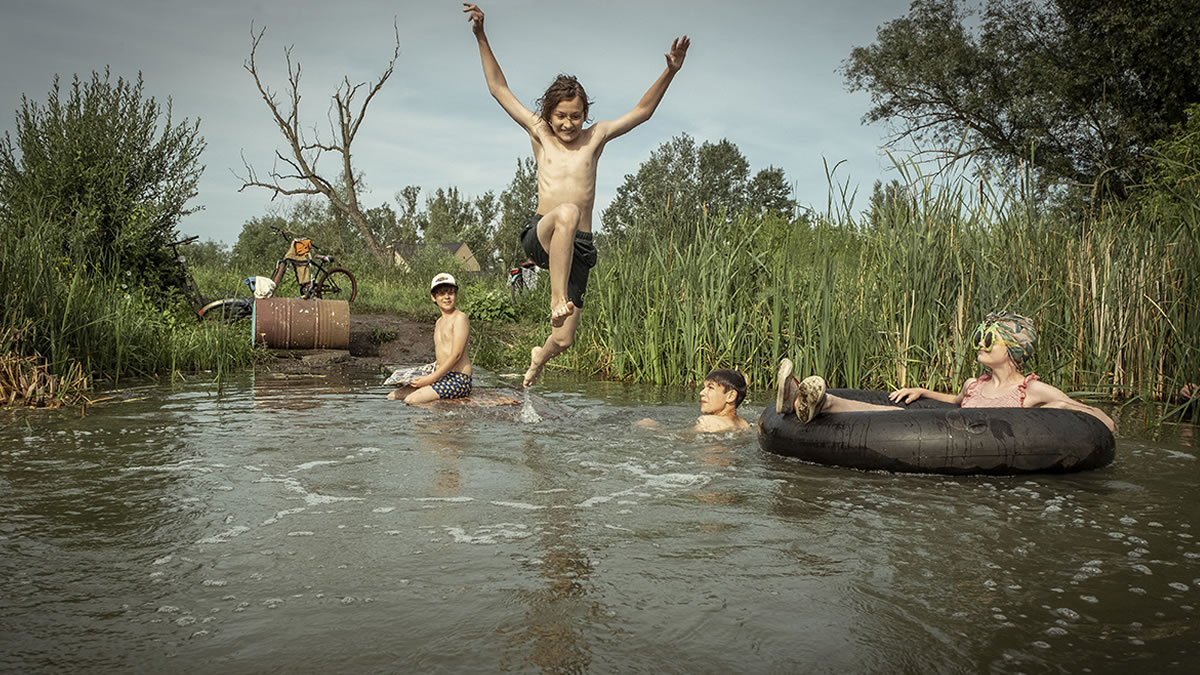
{"points": [[376, 341]]}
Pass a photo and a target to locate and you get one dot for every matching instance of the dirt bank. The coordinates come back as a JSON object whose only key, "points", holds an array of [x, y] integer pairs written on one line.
{"points": [[376, 341]]}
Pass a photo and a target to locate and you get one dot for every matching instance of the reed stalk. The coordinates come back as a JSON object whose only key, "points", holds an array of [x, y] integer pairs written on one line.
{"points": [[890, 300]]}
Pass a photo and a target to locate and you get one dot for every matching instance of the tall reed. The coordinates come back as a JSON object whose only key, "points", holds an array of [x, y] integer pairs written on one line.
{"points": [[72, 313], [890, 299]]}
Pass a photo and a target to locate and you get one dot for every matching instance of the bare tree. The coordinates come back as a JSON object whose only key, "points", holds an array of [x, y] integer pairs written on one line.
{"points": [[299, 174]]}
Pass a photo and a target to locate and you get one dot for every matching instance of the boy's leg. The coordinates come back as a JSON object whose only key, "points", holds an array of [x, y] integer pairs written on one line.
{"points": [[837, 404], [808, 398], [556, 233], [401, 393], [422, 395], [561, 337]]}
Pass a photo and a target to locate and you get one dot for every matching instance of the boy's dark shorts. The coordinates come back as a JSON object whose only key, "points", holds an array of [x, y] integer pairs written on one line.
{"points": [[582, 261]]}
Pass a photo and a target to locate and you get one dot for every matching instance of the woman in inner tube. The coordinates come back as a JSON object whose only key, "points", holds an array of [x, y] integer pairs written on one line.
{"points": [[1005, 342]]}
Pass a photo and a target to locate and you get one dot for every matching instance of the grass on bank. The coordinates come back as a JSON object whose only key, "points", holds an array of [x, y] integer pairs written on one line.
{"points": [[68, 317]]}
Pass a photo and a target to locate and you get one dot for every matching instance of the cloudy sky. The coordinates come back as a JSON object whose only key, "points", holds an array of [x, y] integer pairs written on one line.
{"points": [[762, 73]]}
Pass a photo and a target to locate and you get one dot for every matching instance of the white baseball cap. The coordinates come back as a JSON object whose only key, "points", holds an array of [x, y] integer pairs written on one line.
{"points": [[443, 279]]}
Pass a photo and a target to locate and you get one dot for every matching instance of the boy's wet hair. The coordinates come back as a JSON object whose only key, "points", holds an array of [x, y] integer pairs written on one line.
{"points": [[563, 88], [729, 379]]}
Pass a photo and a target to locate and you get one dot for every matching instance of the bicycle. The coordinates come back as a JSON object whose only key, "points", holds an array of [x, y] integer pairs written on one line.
{"points": [[335, 283], [522, 278], [225, 309]]}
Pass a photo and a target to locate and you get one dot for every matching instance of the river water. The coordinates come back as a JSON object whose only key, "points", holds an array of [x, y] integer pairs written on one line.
{"points": [[305, 524]]}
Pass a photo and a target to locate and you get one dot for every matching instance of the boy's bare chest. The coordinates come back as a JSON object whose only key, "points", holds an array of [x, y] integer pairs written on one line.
{"points": [[560, 161], [443, 331]]}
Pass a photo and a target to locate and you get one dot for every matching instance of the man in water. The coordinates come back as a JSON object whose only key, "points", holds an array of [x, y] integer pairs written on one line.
{"points": [[559, 235]]}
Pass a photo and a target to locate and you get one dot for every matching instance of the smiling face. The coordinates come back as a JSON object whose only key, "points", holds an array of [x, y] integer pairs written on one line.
{"points": [[566, 119], [444, 297], [714, 397]]}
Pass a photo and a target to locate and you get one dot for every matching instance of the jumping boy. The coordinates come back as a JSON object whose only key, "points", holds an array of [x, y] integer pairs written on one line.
{"points": [[559, 235], [451, 376]]}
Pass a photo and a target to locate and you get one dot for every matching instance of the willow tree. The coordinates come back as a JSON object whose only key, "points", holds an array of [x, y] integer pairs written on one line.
{"points": [[1078, 89], [296, 171]]}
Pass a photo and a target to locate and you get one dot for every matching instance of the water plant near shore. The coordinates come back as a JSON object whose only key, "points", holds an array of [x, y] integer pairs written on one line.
{"points": [[888, 299], [80, 319]]}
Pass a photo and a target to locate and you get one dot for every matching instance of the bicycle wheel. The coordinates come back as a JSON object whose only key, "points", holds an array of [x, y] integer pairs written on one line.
{"points": [[227, 309], [337, 284]]}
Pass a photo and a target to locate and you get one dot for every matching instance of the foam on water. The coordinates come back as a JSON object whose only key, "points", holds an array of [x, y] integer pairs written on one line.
{"points": [[528, 415], [281, 514], [309, 465], [518, 505], [224, 537], [490, 534]]}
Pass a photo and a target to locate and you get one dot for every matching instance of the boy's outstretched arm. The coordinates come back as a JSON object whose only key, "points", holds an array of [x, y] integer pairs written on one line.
{"points": [[497, 85], [653, 96]]}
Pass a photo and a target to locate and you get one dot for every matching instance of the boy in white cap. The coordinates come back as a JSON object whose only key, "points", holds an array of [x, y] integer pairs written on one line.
{"points": [[451, 376]]}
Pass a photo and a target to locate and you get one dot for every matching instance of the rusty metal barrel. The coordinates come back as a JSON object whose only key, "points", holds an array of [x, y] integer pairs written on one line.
{"points": [[295, 323]]}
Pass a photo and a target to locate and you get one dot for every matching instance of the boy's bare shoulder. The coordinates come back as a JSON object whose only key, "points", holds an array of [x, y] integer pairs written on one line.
{"points": [[717, 424]]}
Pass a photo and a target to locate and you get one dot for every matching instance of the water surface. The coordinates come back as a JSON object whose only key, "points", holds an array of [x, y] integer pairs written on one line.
{"points": [[305, 524]]}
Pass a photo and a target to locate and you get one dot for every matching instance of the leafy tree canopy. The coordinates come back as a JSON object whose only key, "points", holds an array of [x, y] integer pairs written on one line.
{"points": [[518, 203], [681, 183], [1079, 89]]}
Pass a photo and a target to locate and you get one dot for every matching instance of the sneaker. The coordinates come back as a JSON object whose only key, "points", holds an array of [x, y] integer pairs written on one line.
{"points": [[786, 388], [810, 398]]}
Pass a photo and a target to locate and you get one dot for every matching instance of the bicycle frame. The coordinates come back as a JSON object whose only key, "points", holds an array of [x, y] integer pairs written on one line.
{"points": [[192, 289], [226, 308], [316, 269], [322, 280]]}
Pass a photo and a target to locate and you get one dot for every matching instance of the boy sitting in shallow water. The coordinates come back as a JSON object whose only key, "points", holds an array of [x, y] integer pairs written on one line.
{"points": [[724, 390], [451, 376], [1004, 342]]}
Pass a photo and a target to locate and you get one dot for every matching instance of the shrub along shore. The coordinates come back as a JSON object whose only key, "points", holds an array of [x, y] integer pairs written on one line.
{"points": [[79, 318]]}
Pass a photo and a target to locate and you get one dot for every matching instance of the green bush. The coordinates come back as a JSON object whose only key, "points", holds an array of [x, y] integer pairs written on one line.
{"points": [[93, 164], [486, 304]]}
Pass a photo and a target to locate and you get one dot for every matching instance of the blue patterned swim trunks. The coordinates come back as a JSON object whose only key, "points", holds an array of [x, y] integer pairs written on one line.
{"points": [[453, 385]]}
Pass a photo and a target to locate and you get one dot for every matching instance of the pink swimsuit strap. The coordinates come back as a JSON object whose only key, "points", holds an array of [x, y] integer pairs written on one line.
{"points": [[1012, 398]]}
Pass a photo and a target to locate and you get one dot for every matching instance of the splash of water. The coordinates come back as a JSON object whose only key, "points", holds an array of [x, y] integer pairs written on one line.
{"points": [[528, 414]]}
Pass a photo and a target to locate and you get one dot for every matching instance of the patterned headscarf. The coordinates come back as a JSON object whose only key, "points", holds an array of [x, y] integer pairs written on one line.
{"points": [[1018, 333]]}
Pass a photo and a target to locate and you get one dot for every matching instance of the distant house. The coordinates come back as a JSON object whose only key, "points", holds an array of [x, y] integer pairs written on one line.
{"points": [[404, 254]]}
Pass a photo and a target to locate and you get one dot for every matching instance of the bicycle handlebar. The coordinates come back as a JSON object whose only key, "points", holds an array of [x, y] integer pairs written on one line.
{"points": [[291, 237], [184, 241]]}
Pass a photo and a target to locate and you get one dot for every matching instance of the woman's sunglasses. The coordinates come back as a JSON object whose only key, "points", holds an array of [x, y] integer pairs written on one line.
{"points": [[986, 335]]}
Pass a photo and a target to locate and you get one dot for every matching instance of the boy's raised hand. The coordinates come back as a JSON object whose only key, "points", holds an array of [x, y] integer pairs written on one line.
{"points": [[679, 47], [476, 17]]}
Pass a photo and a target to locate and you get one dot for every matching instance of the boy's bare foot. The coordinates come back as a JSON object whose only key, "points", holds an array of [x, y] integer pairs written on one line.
{"points": [[559, 314], [535, 368]]}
